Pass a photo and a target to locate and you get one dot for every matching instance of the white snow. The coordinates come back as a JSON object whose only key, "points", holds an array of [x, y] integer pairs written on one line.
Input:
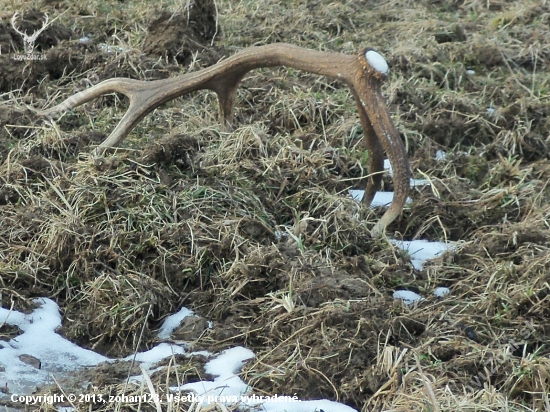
{"points": [[387, 166], [225, 367], [414, 182], [419, 250], [385, 198], [410, 297], [111, 49], [422, 250], [60, 357], [377, 62], [56, 354], [172, 322], [158, 353], [440, 155], [407, 296], [229, 362], [307, 406], [229, 389], [419, 182], [441, 291], [380, 198]]}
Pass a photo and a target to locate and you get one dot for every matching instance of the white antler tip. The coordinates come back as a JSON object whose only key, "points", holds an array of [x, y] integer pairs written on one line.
{"points": [[377, 62]]}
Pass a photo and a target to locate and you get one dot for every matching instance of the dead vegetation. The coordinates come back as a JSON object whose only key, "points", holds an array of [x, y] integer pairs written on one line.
{"points": [[186, 215]]}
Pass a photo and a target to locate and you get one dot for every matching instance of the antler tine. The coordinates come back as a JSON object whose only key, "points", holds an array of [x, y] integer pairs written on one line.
{"points": [[138, 92], [374, 108], [376, 154], [363, 74], [120, 85]]}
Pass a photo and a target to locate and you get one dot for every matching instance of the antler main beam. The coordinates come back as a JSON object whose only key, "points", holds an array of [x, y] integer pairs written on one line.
{"points": [[363, 73]]}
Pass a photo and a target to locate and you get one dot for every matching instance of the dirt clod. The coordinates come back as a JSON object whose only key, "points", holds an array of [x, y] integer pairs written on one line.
{"points": [[178, 36]]}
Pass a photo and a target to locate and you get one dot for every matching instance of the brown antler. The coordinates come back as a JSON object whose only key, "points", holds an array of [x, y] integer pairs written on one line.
{"points": [[363, 74]]}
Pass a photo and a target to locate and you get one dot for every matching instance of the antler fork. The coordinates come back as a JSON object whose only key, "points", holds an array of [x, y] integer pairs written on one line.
{"points": [[363, 74]]}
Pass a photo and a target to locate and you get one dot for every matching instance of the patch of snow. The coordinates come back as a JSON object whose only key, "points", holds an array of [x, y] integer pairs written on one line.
{"points": [[204, 353], [440, 155], [383, 199], [60, 357], [441, 292], [380, 198], [407, 296], [111, 49], [229, 362], [422, 250], [229, 389], [414, 182], [387, 166], [226, 382], [357, 194], [158, 353], [304, 406], [172, 322], [419, 182], [56, 354]]}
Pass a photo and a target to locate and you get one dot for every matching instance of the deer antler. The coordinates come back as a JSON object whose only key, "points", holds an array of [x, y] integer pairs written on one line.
{"points": [[29, 40], [363, 74]]}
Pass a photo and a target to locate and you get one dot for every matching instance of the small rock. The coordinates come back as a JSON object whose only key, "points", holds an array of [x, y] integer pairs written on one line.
{"points": [[31, 360]]}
